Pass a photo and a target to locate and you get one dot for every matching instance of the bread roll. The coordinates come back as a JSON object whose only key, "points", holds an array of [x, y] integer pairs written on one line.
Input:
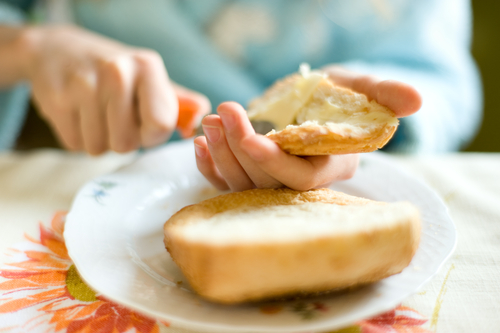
{"points": [[313, 116], [267, 243]]}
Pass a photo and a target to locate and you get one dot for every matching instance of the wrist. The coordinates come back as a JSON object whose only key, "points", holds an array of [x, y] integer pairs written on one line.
{"points": [[26, 45], [13, 56]]}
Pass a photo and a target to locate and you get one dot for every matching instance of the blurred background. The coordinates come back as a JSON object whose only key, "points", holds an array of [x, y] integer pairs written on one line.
{"points": [[485, 49]]}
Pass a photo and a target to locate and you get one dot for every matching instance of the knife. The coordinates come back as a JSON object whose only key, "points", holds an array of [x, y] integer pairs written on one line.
{"points": [[260, 126]]}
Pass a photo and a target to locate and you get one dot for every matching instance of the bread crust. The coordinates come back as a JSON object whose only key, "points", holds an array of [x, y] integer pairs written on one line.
{"points": [[243, 272], [319, 140]]}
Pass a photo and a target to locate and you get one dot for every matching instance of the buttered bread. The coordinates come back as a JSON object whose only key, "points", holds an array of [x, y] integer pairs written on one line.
{"points": [[313, 116]]}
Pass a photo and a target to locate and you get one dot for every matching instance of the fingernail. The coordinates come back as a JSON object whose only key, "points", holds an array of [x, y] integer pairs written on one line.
{"points": [[199, 150], [212, 133], [227, 120]]}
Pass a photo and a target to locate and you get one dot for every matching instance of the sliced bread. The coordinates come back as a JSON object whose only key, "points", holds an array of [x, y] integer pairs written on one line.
{"points": [[313, 116], [267, 243]]}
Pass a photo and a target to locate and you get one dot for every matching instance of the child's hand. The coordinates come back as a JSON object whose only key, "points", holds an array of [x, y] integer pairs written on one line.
{"points": [[232, 156], [99, 94]]}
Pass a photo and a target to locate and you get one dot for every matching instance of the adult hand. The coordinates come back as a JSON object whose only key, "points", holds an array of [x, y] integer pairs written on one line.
{"points": [[99, 94]]}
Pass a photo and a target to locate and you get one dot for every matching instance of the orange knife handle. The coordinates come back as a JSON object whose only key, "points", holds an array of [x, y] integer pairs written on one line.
{"points": [[189, 117]]}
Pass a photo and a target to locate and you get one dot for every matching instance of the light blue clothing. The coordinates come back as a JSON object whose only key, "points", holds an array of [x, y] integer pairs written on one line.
{"points": [[13, 101], [424, 43]]}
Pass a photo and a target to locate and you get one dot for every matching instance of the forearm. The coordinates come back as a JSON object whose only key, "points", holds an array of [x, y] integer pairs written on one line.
{"points": [[14, 55]]}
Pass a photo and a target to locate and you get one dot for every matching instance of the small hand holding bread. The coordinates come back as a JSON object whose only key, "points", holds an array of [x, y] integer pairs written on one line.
{"points": [[267, 243], [313, 116]]}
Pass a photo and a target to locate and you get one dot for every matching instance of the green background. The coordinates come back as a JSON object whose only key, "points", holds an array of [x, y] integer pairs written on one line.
{"points": [[486, 51]]}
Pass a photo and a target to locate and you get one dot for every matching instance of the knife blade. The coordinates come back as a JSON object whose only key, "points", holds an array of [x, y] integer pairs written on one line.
{"points": [[260, 126]]}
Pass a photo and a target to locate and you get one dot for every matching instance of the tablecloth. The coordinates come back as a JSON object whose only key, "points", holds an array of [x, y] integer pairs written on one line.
{"points": [[40, 290]]}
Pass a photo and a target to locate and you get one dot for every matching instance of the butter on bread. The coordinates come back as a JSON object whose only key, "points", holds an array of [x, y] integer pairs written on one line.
{"points": [[268, 243], [313, 116]]}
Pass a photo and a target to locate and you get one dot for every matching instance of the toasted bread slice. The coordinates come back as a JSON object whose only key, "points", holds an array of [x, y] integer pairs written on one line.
{"points": [[313, 116], [267, 243]]}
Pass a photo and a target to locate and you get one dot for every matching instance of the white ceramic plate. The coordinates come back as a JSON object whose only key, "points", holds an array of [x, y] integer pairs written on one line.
{"points": [[114, 236]]}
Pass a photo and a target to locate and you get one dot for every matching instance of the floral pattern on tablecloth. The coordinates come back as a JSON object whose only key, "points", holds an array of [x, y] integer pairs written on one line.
{"points": [[400, 320], [43, 292]]}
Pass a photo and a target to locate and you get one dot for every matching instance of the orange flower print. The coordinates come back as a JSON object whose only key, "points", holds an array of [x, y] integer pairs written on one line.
{"points": [[42, 291], [400, 320]]}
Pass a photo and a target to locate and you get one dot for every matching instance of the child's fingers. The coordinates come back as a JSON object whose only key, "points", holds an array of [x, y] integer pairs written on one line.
{"points": [[400, 97], [342, 167], [236, 128], [296, 172], [206, 164], [229, 167], [291, 171]]}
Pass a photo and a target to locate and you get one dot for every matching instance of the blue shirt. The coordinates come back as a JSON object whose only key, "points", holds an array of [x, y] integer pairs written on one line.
{"points": [[233, 50]]}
